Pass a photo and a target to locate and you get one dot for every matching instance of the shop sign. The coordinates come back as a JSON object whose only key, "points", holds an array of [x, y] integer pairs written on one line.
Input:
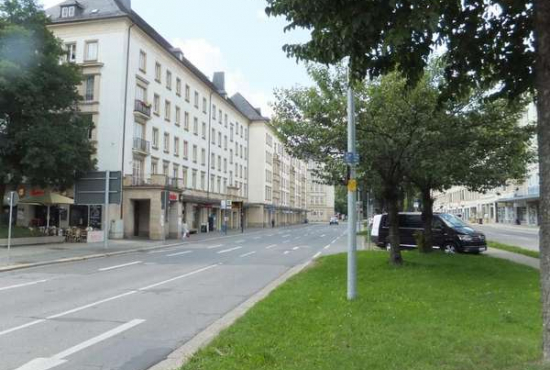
{"points": [[173, 197]]}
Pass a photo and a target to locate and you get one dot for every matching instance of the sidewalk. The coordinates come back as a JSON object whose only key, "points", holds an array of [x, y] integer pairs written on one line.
{"points": [[23, 257], [514, 257]]}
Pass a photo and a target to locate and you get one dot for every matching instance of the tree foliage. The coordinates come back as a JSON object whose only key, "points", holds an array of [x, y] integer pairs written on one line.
{"points": [[43, 137]]}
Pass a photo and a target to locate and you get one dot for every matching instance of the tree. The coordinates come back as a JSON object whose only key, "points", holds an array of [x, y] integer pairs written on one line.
{"points": [[487, 42], [341, 201], [43, 137]]}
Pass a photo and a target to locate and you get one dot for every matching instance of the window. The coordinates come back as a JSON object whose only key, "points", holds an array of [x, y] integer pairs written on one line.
{"points": [[204, 104], [141, 94], [225, 186], [184, 176], [219, 181], [245, 156], [175, 171], [156, 105], [91, 51], [203, 157], [186, 121], [178, 86], [220, 116], [268, 193], [196, 126], [158, 72], [219, 163], [185, 150], [226, 120], [196, 100], [225, 142], [268, 176], [68, 11], [154, 167], [194, 180], [155, 138], [89, 86], [212, 183], [187, 92], [241, 132], [142, 61], [219, 139], [213, 161], [178, 116], [231, 156], [268, 139], [231, 133], [241, 151], [71, 52], [168, 80], [225, 165], [166, 143], [269, 157], [195, 154], [214, 112], [167, 110], [176, 147], [245, 174], [213, 137]]}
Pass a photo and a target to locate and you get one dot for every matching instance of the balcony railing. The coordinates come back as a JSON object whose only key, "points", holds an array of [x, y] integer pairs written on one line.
{"points": [[142, 145], [534, 190], [142, 108]]}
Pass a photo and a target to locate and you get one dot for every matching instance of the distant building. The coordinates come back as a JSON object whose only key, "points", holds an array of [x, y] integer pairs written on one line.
{"points": [[320, 197]]}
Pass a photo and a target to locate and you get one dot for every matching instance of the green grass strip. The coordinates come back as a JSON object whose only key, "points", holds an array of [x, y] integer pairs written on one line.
{"points": [[437, 312], [513, 249]]}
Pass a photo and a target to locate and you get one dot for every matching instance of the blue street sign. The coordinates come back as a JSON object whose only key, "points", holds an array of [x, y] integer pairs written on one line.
{"points": [[352, 158]]}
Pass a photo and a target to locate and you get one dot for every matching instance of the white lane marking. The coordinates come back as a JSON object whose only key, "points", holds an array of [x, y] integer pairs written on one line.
{"points": [[270, 235], [164, 250], [286, 242], [81, 308], [295, 248], [22, 285], [229, 250], [271, 246], [120, 266], [317, 255], [287, 236], [327, 247], [178, 254], [179, 277], [286, 252], [322, 236], [240, 241], [257, 238], [61, 358], [247, 254], [215, 246]]}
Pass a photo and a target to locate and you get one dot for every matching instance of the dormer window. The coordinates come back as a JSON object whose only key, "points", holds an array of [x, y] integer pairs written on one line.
{"points": [[68, 11]]}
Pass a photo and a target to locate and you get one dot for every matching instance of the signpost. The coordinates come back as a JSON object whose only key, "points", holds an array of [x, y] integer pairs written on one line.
{"points": [[352, 159], [225, 204], [12, 199], [100, 188]]}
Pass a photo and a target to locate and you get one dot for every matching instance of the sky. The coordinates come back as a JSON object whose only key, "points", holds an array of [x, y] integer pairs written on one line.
{"points": [[234, 36]]}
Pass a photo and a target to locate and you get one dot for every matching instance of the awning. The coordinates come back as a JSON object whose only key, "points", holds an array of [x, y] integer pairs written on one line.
{"points": [[47, 200]]}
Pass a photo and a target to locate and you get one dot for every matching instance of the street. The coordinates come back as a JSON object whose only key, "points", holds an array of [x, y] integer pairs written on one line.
{"points": [[129, 312], [523, 237]]}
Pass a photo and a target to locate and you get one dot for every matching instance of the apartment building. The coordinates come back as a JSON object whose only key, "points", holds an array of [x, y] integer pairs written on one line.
{"points": [[182, 144], [278, 183], [515, 203], [320, 197]]}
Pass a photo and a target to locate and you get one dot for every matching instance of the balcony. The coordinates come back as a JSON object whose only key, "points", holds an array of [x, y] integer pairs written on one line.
{"points": [[141, 146], [155, 181], [142, 109]]}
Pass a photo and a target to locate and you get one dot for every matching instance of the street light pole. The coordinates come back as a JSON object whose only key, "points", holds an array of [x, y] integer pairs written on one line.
{"points": [[352, 197]]}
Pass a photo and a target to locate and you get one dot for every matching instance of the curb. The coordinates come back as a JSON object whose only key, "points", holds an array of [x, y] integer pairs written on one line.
{"points": [[184, 353]]}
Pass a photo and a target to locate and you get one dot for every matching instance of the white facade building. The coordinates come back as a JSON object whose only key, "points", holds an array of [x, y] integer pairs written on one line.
{"points": [[321, 197]]}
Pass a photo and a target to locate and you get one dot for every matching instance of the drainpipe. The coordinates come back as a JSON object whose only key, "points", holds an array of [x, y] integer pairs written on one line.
{"points": [[209, 145], [125, 117]]}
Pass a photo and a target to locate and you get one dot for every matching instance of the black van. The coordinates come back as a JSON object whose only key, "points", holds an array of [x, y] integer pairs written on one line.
{"points": [[449, 232]]}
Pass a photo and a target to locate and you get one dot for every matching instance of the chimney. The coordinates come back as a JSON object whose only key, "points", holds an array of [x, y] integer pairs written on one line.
{"points": [[127, 4], [178, 53], [219, 82], [259, 110]]}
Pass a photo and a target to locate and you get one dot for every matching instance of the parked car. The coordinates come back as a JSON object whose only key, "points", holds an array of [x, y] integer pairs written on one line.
{"points": [[449, 233], [333, 221]]}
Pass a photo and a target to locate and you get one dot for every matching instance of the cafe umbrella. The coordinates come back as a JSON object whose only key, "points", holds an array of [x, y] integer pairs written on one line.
{"points": [[47, 200]]}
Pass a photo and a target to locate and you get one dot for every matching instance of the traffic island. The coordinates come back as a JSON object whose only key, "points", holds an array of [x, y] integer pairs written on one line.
{"points": [[450, 312]]}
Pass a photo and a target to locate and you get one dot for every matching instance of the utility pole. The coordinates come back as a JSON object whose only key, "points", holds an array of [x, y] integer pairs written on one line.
{"points": [[352, 195]]}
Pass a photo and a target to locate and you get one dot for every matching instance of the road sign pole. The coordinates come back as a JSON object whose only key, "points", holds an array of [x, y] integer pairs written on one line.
{"points": [[9, 226], [106, 211], [352, 195]]}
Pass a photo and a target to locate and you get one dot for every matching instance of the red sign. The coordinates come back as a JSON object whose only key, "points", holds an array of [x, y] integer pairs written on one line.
{"points": [[37, 192], [173, 197]]}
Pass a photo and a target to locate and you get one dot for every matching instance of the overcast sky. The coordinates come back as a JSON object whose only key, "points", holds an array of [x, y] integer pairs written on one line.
{"points": [[233, 36]]}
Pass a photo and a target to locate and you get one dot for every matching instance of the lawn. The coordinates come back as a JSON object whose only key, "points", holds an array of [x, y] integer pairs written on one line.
{"points": [[513, 249], [18, 232], [444, 312]]}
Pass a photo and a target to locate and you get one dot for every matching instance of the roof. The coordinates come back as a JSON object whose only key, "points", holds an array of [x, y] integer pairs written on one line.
{"points": [[105, 9], [247, 109]]}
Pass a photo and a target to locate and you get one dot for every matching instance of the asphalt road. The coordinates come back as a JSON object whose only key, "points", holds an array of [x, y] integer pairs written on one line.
{"points": [[523, 237], [129, 312]]}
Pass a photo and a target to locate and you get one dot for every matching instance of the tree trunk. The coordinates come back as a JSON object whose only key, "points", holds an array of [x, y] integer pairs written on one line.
{"points": [[427, 218], [393, 217], [542, 81]]}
